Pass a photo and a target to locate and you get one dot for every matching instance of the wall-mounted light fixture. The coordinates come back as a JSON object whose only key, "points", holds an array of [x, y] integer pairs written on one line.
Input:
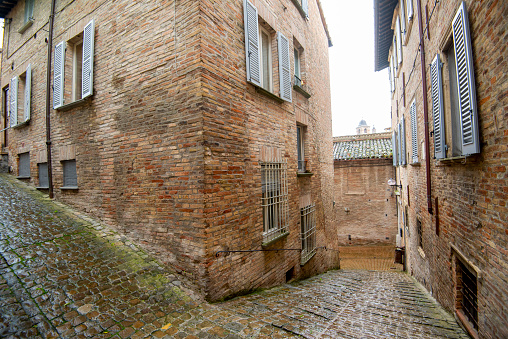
{"points": [[392, 183]]}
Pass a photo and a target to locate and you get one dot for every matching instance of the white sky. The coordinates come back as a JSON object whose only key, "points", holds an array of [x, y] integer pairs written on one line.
{"points": [[357, 91]]}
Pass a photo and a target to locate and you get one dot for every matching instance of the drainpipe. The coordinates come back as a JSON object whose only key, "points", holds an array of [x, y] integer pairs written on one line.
{"points": [[48, 100], [425, 108]]}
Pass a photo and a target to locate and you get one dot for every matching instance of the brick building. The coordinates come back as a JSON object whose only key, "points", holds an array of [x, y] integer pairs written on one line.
{"points": [[191, 126], [365, 210], [447, 64]]}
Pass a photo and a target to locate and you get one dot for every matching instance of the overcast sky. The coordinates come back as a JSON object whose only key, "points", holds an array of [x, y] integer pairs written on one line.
{"points": [[357, 91]]}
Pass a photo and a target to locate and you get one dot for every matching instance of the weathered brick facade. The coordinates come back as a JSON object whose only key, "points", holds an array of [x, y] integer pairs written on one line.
{"points": [[168, 147], [365, 206], [465, 228]]}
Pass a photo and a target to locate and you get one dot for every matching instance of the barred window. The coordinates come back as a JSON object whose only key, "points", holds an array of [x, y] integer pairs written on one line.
{"points": [[467, 293], [274, 199], [308, 224], [419, 232]]}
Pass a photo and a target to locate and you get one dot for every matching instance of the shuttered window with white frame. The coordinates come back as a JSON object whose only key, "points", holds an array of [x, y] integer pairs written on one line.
{"points": [[414, 133], [28, 92], [466, 82], [286, 90], [402, 17], [394, 148], [437, 108], [391, 75], [305, 7], [403, 141], [13, 101], [410, 13], [252, 43], [399, 41], [88, 51], [58, 75]]}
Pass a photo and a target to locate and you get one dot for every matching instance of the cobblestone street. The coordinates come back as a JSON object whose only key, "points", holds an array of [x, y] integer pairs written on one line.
{"points": [[63, 275]]}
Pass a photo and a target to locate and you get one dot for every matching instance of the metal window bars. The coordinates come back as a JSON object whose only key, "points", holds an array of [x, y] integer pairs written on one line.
{"points": [[308, 235], [274, 199], [468, 302]]}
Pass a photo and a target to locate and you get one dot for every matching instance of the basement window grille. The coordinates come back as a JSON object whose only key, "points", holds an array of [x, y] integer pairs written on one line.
{"points": [[274, 200], [419, 232], [308, 235], [467, 293]]}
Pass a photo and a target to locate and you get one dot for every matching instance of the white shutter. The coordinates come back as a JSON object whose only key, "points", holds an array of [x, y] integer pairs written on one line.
{"points": [[414, 133], [394, 53], [28, 91], [394, 70], [252, 43], [399, 41], [58, 75], [305, 7], [88, 50], [13, 102], [409, 6], [465, 82], [394, 148], [399, 153], [403, 17], [390, 75], [437, 108], [403, 141], [286, 90]]}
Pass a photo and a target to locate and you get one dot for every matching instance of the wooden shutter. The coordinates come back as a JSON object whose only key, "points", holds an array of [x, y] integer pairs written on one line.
{"points": [[28, 92], [13, 101], [58, 75], [465, 82], [394, 148], [399, 41], [437, 108], [414, 133], [305, 7], [286, 90], [252, 43], [88, 50], [403, 141], [410, 12]]}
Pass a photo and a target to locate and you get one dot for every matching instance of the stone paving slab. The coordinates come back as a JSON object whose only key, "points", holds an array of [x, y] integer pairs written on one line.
{"points": [[63, 275]]}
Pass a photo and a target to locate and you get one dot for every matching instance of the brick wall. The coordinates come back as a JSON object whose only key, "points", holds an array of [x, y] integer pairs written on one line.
{"points": [[471, 193], [365, 206], [168, 147]]}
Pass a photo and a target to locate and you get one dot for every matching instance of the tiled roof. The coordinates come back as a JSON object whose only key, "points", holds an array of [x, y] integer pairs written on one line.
{"points": [[366, 146]]}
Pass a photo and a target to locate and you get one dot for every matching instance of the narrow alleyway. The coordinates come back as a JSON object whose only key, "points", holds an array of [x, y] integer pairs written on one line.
{"points": [[63, 276]]}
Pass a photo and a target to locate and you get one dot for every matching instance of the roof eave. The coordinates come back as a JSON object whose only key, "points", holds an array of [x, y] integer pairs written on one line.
{"points": [[383, 15], [6, 6]]}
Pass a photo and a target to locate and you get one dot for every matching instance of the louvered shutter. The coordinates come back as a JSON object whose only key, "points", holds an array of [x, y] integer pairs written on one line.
{"points": [[390, 75], [403, 17], [13, 101], [28, 92], [252, 43], [284, 68], [437, 108], [399, 154], [394, 53], [409, 6], [305, 7], [394, 68], [465, 82], [399, 41], [394, 148], [414, 133], [58, 75], [403, 141], [88, 50]]}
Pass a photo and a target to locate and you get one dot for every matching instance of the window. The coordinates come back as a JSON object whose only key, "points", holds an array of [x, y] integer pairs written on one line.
{"points": [[414, 133], [73, 68], [5, 116], [398, 41], [455, 115], [258, 51], [20, 97], [409, 8], [70, 177], [298, 76], [29, 11], [274, 200], [419, 233], [467, 294], [395, 148], [308, 235], [24, 165], [303, 7], [300, 144], [43, 175]]}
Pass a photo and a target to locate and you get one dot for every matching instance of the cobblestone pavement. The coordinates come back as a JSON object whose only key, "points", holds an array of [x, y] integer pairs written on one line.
{"points": [[63, 276]]}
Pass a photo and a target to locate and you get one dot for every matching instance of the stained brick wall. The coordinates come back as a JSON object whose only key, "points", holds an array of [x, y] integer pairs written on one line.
{"points": [[365, 206], [168, 147], [471, 192]]}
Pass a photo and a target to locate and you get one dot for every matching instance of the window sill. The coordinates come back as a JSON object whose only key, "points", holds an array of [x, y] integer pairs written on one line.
{"points": [[354, 193], [69, 188], [303, 262], [268, 94], [300, 90], [416, 164], [304, 174], [300, 9], [466, 323], [23, 178], [42, 188], [73, 104], [26, 26], [421, 252], [22, 124], [462, 159], [280, 237]]}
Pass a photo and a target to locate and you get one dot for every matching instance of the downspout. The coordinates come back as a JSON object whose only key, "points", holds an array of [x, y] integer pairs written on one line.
{"points": [[425, 108], [48, 100]]}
